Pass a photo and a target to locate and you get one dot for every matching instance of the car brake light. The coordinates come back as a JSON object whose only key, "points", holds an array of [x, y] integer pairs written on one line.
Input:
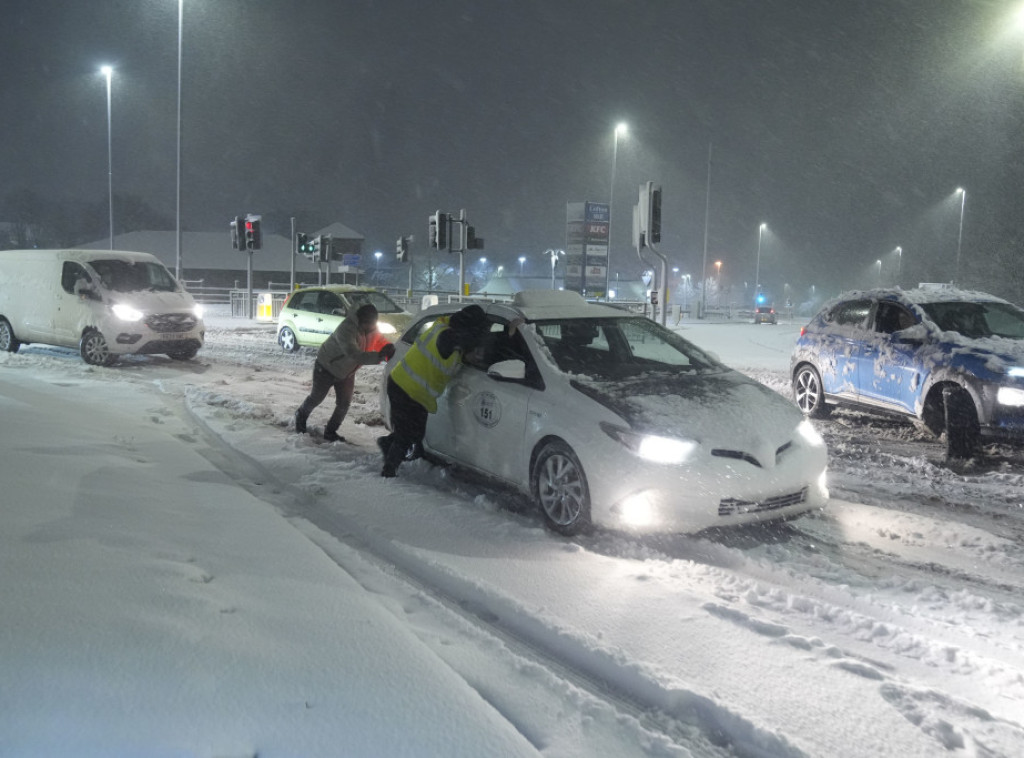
{"points": [[803, 330]]}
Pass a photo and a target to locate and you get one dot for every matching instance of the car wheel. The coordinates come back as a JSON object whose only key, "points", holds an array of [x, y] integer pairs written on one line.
{"points": [[287, 340], [8, 342], [961, 423], [94, 349], [808, 392], [561, 490], [184, 355]]}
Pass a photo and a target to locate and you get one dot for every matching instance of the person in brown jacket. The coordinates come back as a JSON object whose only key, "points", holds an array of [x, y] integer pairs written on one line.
{"points": [[337, 361]]}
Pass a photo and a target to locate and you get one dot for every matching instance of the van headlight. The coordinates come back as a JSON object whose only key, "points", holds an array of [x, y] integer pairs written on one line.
{"points": [[652, 447], [126, 312], [385, 328], [198, 310]]}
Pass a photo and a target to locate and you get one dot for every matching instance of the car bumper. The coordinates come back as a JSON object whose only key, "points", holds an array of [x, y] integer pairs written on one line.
{"points": [[711, 492]]}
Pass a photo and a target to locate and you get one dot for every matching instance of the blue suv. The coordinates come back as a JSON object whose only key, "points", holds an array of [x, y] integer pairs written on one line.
{"points": [[949, 359]]}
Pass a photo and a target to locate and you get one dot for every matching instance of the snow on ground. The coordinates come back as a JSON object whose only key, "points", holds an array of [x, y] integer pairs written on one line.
{"points": [[184, 576]]}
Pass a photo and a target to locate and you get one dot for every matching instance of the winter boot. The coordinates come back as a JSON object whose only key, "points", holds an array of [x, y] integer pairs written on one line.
{"points": [[300, 421], [330, 435]]}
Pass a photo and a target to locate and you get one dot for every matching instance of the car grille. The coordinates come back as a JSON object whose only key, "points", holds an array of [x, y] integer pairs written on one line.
{"points": [[740, 455], [730, 506], [171, 322]]}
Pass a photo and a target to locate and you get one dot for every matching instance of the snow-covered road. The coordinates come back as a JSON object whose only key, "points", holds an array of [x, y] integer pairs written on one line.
{"points": [[891, 624]]}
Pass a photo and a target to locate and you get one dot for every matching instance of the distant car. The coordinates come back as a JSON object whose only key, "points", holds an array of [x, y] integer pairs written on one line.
{"points": [[310, 314], [765, 315], [603, 416], [951, 360]]}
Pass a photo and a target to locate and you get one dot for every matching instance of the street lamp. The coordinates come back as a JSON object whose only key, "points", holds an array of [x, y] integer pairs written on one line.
{"points": [[879, 264], [960, 235], [620, 129], [718, 282], [522, 260], [899, 264], [757, 268], [108, 72], [554, 259], [377, 255], [177, 264]]}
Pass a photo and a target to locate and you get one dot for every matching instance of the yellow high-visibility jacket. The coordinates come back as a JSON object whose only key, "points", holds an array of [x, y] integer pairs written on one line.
{"points": [[422, 372]]}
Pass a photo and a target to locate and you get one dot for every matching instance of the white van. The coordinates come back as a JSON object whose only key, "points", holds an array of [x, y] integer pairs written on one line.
{"points": [[105, 303]]}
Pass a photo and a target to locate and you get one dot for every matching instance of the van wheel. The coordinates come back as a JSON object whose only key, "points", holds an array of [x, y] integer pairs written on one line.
{"points": [[94, 349], [8, 342], [286, 338], [561, 489]]}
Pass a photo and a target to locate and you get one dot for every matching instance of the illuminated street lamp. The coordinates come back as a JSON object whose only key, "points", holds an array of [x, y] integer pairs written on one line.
{"points": [[960, 235], [899, 264], [108, 72], [757, 269], [718, 281], [620, 129], [377, 255], [554, 259], [879, 264], [522, 260]]}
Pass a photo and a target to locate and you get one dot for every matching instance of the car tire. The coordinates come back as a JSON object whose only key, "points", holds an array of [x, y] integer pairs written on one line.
{"points": [[287, 340], [962, 429], [94, 349], [808, 392], [8, 342], [560, 489]]}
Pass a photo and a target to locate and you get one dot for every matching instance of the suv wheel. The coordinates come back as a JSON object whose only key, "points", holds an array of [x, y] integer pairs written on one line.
{"points": [[808, 392], [961, 423]]}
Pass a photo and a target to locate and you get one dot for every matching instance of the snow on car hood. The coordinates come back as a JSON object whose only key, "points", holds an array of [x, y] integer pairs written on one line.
{"points": [[721, 409]]}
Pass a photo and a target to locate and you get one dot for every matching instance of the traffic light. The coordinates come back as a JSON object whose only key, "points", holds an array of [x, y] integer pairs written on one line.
{"points": [[253, 238], [654, 229], [302, 245], [237, 234], [313, 246], [402, 249], [472, 241], [438, 230], [323, 243]]}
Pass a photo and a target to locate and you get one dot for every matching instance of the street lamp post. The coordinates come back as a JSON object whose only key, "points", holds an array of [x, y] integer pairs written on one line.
{"points": [[108, 72], [177, 235], [757, 268], [377, 255], [879, 264], [554, 259], [619, 129], [960, 235], [718, 282], [899, 265], [522, 260]]}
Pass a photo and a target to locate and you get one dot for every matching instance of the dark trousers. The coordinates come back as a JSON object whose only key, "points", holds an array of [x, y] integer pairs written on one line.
{"points": [[323, 381], [408, 427]]}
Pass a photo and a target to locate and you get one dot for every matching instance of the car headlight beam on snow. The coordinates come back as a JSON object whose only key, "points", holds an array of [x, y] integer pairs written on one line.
{"points": [[652, 447]]}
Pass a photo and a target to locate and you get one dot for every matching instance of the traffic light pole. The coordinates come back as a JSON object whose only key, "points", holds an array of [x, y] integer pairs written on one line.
{"points": [[295, 251]]}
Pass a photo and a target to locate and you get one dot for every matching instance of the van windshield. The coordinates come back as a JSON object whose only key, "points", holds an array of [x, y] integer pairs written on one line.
{"points": [[133, 276]]}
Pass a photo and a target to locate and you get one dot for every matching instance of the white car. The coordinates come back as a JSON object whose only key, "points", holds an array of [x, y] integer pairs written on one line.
{"points": [[608, 417]]}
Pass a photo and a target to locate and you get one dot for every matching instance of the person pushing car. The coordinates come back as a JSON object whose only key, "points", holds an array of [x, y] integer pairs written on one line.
{"points": [[421, 377], [337, 361]]}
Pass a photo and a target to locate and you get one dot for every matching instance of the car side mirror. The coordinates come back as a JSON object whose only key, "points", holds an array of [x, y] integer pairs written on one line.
{"points": [[508, 371]]}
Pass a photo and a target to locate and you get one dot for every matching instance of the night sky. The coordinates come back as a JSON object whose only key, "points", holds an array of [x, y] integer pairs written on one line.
{"points": [[844, 125]]}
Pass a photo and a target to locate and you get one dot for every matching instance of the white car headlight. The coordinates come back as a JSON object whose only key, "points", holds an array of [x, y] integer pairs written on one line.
{"points": [[126, 312], [806, 430], [1016, 371], [1012, 396], [198, 310], [385, 328], [652, 447]]}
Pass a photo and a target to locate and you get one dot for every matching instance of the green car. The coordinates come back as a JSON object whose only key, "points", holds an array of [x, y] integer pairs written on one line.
{"points": [[310, 314]]}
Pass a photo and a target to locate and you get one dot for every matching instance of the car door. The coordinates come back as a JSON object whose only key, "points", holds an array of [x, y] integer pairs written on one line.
{"points": [[481, 421], [890, 370], [840, 345]]}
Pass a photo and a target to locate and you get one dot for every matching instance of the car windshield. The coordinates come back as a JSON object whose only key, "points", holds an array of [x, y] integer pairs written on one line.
{"points": [[615, 348], [977, 320], [379, 300], [133, 276]]}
